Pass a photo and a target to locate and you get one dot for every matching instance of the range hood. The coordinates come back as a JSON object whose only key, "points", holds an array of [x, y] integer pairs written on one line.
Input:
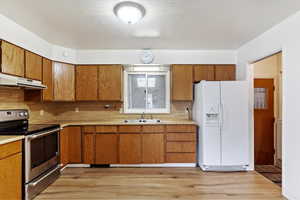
{"points": [[14, 81]]}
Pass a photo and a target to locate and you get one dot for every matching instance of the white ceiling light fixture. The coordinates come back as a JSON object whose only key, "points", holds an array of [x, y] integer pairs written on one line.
{"points": [[129, 12]]}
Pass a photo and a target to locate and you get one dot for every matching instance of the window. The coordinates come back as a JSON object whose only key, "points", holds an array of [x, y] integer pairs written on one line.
{"points": [[146, 91]]}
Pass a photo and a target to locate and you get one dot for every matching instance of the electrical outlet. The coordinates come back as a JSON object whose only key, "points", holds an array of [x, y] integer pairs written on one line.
{"points": [[41, 112], [76, 109]]}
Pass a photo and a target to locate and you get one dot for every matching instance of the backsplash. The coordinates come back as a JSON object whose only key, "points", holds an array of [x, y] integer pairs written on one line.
{"points": [[13, 98]]}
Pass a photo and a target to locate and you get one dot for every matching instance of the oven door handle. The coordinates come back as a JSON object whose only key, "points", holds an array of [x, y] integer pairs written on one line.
{"points": [[42, 134], [45, 176]]}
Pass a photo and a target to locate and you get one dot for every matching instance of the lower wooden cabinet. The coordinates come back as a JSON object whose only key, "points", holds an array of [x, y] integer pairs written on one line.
{"points": [[106, 148], [88, 148], [11, 171], [74, 144], [153, 148], [64, 146], [130, 149]]}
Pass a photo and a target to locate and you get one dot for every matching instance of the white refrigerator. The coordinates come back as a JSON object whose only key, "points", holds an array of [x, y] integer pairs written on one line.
{"points": [[221, 111]]}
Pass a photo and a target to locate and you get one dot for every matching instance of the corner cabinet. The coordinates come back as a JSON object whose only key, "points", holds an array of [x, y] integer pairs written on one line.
{"points": [[33, 66], [64, 82], [12, 59], [182, 82], [48, 94]]}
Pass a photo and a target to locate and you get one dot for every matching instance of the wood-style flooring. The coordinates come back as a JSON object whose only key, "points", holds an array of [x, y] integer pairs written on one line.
{"points": [[159, 184]]}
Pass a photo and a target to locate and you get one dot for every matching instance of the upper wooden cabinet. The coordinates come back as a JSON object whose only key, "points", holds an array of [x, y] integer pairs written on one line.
{"points": [[182, 82], [86, 83], [48, 94], [204, 72], [225, 72], [110, 83], [33, 66], [12, 59], [64, 82]]}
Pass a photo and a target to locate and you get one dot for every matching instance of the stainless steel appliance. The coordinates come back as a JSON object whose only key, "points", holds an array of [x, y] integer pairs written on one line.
{"points": [[40, 150]]}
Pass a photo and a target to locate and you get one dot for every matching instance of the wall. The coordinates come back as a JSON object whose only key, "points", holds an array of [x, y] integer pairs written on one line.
{"points": [[270, 67], [285, 37]]}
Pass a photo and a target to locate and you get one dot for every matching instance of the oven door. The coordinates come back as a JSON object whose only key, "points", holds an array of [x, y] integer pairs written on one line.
{"points": [[41, 153]]}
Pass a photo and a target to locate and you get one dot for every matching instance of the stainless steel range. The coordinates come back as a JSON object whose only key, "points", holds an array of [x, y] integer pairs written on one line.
{"points": [[40, 150]]}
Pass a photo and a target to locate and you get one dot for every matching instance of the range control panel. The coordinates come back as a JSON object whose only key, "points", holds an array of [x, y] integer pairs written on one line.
{"points": [[11, 115]]}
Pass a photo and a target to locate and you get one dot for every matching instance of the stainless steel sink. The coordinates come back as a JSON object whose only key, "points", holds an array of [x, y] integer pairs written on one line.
{"points": [[142, 121]]}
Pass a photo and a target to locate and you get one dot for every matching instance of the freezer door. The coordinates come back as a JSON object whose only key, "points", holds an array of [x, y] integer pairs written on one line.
{"points": [[234, 123], [209, 136]]}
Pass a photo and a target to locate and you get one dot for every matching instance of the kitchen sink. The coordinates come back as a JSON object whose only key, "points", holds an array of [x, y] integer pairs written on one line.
{"points": [[142, 121]]}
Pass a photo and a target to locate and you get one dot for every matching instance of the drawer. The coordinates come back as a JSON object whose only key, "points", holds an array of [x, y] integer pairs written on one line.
{"points": [[181, 157], [106, 129], [88, 129], [181, 128], [10, 149], [130, 129], [181, 137], [181, 147], [153, 129]]}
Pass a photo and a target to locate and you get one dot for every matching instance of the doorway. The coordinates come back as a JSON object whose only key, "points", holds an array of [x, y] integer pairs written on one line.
{"points": [[267, 117]]}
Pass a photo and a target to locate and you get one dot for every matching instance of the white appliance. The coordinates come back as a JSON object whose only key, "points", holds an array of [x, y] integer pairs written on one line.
{"points": [[14, 81], [221, 111]]}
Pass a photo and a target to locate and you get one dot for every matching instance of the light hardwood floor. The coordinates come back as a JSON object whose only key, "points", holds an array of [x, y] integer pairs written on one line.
{"points": [[159, 184]]}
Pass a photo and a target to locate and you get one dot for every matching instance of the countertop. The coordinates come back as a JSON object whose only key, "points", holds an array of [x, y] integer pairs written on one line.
{"points": [[4, 139], [116, 122]]}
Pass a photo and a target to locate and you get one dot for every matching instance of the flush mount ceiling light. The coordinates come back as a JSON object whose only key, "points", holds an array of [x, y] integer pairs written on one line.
{"points": [[129, 12]]}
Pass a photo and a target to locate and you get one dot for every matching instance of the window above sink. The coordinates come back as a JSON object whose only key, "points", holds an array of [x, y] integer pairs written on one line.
{"points": [[147, 89]]}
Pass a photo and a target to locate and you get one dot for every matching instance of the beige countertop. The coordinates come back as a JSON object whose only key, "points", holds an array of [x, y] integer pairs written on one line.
{"points": [[4, 139], [117, 122]]}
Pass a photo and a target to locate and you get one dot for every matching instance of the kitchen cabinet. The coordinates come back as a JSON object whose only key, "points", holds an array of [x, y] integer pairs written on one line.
{"points": [[153, 148], [12, 59], [182, 82], [48, 94], [88, 147], [110, 82], [204, 72], [64, 146], [33, 66], [106, 148], [86, 83], [130, 148], [64, 82], [11, 170], [74, 144], [225, 72]]}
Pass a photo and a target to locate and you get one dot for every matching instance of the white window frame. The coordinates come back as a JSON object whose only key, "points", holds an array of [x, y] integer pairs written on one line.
{"points": [[152, 110]]}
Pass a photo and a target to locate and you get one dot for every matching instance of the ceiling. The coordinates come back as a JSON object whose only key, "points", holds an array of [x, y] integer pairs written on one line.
{"points": [[168, 24]]}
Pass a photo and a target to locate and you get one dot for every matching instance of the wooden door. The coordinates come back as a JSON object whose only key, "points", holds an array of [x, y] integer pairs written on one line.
{"points": [[130, 148], [225, 72], [33, 66], [12, 59], [182, 82], [264, 121], [110, 83], [64, 82], [88, 148], [153, 148], [204, 72], [86, 83], [48, 80], [74, 144], [11, 177], [106, 148], [64, 146]]}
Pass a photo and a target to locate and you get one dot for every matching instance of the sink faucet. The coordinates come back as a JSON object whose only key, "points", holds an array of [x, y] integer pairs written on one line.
{"points": [[143, 116]]}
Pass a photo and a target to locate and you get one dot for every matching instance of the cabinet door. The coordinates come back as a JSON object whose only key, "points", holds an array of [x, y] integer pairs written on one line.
{"points": [[12, 59], [86, 83], [11, 177], [88, 148], [33, 66], [204, 72], [153, 148], [224, 72], [64, 82], [130, 149], [74, 144], [110, 83], [106, 148], [48, 80], [182, 82], [64, 146]]}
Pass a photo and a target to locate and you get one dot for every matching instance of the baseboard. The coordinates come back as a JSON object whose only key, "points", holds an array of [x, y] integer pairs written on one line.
{"points": [[156, 165], [78, 165]]}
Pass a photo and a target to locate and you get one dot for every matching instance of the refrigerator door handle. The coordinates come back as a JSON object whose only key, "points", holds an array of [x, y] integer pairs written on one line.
{"points": [[222, 116]]}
